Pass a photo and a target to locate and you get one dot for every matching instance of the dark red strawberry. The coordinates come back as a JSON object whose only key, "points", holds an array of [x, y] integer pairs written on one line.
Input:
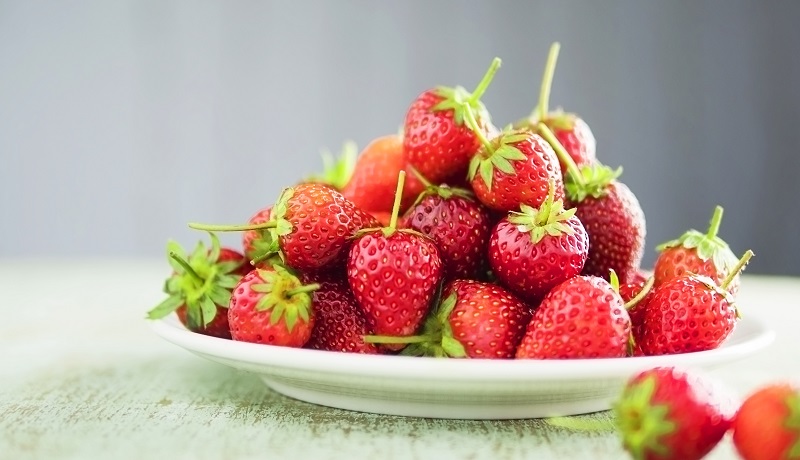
{"points": [[513, 169], [458, 224], [311, 225], [437, 141], [687, 314], [583, 317], [670, 414], [394, 274], [571, 131], [271, 306], [533, 250], [767, 425], [698, 253], [609, 211], [475, 320], [199, 288]]}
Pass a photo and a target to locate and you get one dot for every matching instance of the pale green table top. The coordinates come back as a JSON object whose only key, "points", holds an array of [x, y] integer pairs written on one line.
{"points": [[82, 376]]}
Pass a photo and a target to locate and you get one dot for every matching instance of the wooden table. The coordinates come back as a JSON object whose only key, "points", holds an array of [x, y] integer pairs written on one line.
{"points": [[82, 376]]}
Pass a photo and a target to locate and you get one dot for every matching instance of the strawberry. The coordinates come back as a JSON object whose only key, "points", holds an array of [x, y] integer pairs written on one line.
{"points": [[437, 141], [571, 131], [533, 250], [767, 425], [513, 169], [199, 288], [475, 320], [667, 413], [698, 253], [271, 306], [610, 212], [311, 225], [336, 171], [374, 179], [393, 274], [636, 293], [257, 243], [458, 225], [583, 317], [689, 313]]}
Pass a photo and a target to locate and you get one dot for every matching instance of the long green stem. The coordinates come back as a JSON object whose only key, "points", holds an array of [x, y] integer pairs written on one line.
{"points": [[232, 228], [472, 123], [187, 267], [641, 294], [398, 195], [716, 219], [486, 80], [389, 339], [572, 168], [542, 109], [302, 289], [736, 269]]}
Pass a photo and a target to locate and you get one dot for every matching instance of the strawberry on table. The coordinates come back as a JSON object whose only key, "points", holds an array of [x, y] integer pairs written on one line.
{"points": [[767, 425], [666, 413], [200, 286]]}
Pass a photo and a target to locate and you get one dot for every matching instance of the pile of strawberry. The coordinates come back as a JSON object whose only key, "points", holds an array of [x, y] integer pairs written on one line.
{"points": [[459, 239]]}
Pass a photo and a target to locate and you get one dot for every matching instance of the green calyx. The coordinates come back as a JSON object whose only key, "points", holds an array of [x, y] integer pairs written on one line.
{"points": [[643, 424], [200, 282], [549, 219], [461, 101], [707, 245], [337, 172], [498, 153], [284, 296], [444, 191], [594, 182], [792, 423]]}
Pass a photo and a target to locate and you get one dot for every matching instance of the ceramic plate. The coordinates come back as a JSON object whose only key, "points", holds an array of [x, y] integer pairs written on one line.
{"points": [[450, 388]]}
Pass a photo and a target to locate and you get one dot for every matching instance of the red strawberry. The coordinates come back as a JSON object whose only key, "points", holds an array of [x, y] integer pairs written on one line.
{"points": [[687, 314], [513, 169], [767, 425], [393, 274], [200, 287], [458, 224], [374, 179], [571, 131], [636, 282], [670, 414], [475, 320], [437, 141], [698, 253], [311, 224], [534, 250], [636, 293], [336, 171], [582, 317], [258, 242], [339, 323], [271, 306]]}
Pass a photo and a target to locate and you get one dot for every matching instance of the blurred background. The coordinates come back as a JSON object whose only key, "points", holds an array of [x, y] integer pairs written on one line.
{"points": [[121, 121]]}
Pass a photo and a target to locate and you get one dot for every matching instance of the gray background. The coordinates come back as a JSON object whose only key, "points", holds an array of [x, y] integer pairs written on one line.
{"points": [[120, 121]]}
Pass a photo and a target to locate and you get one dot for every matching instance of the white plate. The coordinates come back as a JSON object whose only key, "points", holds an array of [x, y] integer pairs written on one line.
{"points": [[450, 388]]}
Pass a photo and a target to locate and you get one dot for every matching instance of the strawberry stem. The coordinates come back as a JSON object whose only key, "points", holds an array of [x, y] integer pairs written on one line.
{"points": [[472, 123], [393, 340], [398, 195], [232, 228], [572, 168], [183, 263], [713, 228], [641, 294], [737, 268], [485, 81], [302, 289], [420, 177], [541, 110]]}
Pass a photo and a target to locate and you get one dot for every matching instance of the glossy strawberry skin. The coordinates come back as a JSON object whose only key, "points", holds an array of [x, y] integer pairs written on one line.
{"points": [[530, 270], [678, 261], [628, 291], [767, 426], [248, 324], [394, 279], [580, 318], [685, 315], [577, 139], [488, 320], [323, 222], [530, 182], [255, 242], [460, 228], [616, 227]]}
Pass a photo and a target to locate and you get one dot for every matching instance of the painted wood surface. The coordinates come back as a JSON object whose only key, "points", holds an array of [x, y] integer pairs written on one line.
{"points": [[82, 376]]}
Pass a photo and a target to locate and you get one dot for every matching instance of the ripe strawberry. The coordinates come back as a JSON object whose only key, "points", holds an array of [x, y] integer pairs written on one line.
{"points": [[669, 414], [687, 314], [311, 225], [698, 253], [374, 179], [271, 306], [582, 317], [571, 131], [534, 250], [336, 171], [458, 224], [393, 274], [199, 288], [513, 169], [437, 141], [767, 425], [475, 320], [636, 294], [609, 211]]}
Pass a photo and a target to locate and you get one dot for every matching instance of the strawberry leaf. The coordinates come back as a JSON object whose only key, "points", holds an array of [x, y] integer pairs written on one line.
{"points": [[549, 219], [452, 347], [337, 171], [284, 296], [166, 307], [498, 155], [706, 245], [220, 296], [213, 254], [593, 182], [174, 248], [208, 310]]}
